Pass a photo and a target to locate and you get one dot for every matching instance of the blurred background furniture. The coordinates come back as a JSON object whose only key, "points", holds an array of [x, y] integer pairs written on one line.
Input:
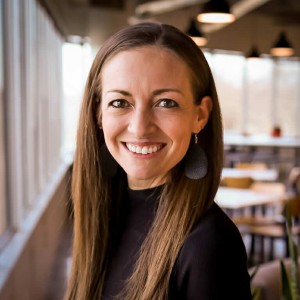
{"points": [[293, 181], [251, 165], [269, 222], [268, 279], [267, 174], [235, 198], [241, 182], [277, 228]]}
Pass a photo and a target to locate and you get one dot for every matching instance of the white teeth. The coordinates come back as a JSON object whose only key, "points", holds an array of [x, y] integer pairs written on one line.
{"points": [[143, 150], [138, 149]]}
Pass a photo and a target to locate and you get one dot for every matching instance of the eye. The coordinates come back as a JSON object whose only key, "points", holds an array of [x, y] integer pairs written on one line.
{"points": [[120, 103], [167, 103]]}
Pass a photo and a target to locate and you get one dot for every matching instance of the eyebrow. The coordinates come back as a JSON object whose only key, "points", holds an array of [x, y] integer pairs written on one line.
{"points": [[119, 92], [155, 93], [160, 91]]}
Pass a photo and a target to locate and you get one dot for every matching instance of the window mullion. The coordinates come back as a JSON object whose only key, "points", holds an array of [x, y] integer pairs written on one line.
{"points": [[13, 110]]}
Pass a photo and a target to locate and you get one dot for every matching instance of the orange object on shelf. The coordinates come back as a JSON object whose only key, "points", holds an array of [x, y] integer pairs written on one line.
{"points": [[276, 132]]}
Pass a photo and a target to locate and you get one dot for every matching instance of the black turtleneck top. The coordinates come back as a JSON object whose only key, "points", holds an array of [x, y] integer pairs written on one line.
{"points": [[211, 265]]}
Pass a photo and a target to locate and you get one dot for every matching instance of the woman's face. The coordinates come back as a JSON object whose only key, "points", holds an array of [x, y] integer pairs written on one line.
{"points": [[148, 113]]}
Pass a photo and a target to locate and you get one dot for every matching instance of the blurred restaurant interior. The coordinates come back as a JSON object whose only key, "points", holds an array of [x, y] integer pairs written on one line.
{"points": [[46, 49]]}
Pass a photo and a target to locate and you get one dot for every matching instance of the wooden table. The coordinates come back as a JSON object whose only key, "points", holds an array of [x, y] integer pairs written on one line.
{"points": [[232, 198], [256, 175]]}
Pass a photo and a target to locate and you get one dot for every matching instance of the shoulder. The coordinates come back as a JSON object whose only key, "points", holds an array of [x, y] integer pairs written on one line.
{"points": [[213, 260], [213, 228], [214, 237]]}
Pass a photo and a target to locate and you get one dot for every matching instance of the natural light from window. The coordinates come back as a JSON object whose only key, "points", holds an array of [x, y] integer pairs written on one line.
{"points": [[76, 64]]}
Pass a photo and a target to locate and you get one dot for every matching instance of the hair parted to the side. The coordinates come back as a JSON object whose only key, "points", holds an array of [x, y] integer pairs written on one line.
{"points": [[183, 200]]}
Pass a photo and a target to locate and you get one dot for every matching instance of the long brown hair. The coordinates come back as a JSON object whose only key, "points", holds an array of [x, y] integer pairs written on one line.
{"points": [[182, 201]]}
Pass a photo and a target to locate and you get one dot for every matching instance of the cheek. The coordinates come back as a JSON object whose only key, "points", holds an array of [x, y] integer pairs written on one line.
{"points": [[108, 129], [112, 128], [179, 129]]}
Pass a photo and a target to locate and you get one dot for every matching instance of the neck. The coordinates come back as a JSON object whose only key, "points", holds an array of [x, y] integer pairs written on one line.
{"points": [[143, 184]]}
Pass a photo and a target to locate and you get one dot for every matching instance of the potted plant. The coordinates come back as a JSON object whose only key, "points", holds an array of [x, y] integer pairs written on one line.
{"points": [[290, 284]]}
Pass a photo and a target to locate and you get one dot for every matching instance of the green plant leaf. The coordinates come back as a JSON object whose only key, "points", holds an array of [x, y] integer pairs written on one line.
{"points": [[294, 269], [293, 251], [285, 285], [256, 293]]}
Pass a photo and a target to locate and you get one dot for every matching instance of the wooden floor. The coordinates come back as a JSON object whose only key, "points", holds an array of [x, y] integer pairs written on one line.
{"points": [[61, 269]]}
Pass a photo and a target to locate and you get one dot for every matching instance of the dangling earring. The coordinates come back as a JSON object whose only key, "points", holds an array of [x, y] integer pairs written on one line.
{"points": [[195, 161]]}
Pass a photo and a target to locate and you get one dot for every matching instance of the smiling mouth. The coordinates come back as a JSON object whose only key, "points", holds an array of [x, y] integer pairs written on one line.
{"points": [[144, 149]]}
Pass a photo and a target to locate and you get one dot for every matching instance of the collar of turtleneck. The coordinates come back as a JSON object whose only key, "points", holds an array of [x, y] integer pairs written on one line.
{"points": [[139, 200]]}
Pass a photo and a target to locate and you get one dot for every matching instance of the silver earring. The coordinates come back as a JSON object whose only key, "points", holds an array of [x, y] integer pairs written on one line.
{"points": [[196, 138], [195, 164]]}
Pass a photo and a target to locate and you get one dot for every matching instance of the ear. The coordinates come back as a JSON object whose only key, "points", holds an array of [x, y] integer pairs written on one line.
{"points": [[203, 113]]}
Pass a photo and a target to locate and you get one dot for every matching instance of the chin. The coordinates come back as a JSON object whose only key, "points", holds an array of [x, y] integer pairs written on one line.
{"points": [[139, 176]]}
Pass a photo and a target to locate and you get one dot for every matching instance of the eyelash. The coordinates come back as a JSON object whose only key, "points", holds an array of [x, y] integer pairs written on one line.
{"points": [[121, 103], [167, 103]]}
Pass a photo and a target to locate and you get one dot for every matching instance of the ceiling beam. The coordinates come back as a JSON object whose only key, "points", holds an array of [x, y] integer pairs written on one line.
{"points": [[159, 7]]}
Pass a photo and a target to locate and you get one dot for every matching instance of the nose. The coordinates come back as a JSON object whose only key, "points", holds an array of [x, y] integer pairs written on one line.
{"points": [[141, 123]]}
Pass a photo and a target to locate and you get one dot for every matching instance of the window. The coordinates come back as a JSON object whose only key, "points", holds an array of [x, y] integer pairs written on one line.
{"points": [[260, 100], [256, 95], [228, 72], [3, 199], [286, 96], [77, 59], [30, 113]]}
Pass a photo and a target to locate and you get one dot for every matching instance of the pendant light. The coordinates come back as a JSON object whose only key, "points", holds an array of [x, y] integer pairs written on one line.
{"points": [[197, 36], [282, 47], [215, 11], [253, 53]]}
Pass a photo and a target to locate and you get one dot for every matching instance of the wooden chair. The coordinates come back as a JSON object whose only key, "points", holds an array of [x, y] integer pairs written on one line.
{"points": [[266, 187], [293, 181], [276, 227], [270, 215], [237, 182], [250, 166], [269, 187]]}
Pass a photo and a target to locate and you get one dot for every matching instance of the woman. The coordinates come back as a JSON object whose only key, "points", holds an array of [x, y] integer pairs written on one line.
{"points": [[147, 168]]}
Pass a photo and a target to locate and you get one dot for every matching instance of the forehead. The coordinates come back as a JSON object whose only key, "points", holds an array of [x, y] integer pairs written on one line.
{"points": [[150, 51], [146, 59]]}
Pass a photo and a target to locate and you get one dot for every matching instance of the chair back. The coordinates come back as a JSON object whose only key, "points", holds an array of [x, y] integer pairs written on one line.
{"points": [[237, 182], [293, 181], [269, 187], [292, 208], [250, 166]]}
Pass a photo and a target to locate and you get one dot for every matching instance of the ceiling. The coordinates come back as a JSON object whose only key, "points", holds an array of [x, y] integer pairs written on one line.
{"points": [[258, 21]]}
